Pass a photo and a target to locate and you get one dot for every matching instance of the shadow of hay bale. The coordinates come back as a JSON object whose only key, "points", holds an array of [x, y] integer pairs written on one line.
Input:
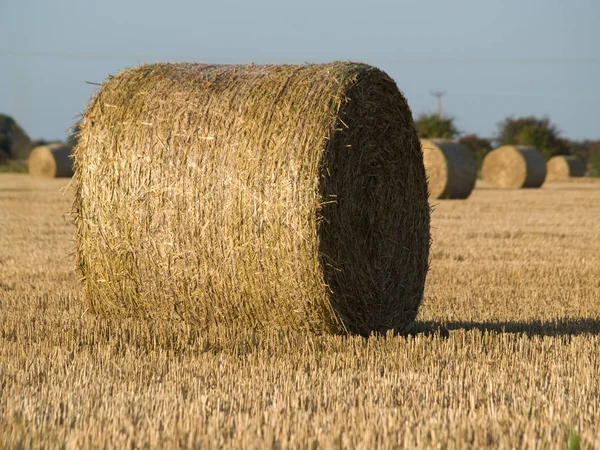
{"points": [[560, 327]]}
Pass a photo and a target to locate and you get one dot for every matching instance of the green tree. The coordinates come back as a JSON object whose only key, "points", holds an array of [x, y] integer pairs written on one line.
{"points": [[593, 161], [14, 142], [539, 133], [581, 149], [433, 126], [478, 145], [6, 124]]}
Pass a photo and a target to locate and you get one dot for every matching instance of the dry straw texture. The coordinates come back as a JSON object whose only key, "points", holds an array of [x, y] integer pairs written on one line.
{"points": [[561, 168], [50, 161], [504, 352], [282, 197], [450, 167], [514, 167]]}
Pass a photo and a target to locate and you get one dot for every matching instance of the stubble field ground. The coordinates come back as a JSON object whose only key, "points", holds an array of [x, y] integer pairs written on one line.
{"points": [[505, 352]]}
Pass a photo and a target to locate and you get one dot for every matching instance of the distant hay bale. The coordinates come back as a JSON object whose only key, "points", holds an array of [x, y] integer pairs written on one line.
{"points": [[450, 167], [269, 197], [51, 161], [561, 168], [514, 167]]}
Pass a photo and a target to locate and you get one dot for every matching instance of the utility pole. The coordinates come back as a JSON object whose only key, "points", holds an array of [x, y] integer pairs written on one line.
{"points": [[438, 95]]}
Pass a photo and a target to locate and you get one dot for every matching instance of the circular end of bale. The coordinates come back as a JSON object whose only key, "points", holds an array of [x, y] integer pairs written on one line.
{"points": [[42, 163], [514, 167], [562, 167], [436, 168], [451, 169], [50, 161]]}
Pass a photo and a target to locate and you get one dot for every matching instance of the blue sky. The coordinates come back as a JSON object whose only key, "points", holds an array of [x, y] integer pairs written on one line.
{"points": [[493, 59]]}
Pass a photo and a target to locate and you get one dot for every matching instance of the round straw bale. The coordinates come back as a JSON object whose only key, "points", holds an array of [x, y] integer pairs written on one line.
{"points": [[450, 167], [281, 197], [50, 161], [562, 168], [514, 167]]}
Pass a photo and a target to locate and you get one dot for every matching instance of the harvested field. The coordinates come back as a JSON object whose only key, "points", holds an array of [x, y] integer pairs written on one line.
{"points": [[504, 353]]}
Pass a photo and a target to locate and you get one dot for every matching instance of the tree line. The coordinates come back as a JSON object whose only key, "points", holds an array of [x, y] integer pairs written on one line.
{"points": [[540, 133], [15, 144]]}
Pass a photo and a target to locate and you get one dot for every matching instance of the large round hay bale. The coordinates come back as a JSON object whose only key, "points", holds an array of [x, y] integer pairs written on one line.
{"points": [[450, 167], [282, 197], [50, 161], [514, 167], [561, 168]]}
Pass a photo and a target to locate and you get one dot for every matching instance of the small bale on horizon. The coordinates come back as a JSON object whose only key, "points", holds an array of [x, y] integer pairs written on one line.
{"points": [[450, 167], [514, 167], [563, 167], [51, 161], [253, 197]]}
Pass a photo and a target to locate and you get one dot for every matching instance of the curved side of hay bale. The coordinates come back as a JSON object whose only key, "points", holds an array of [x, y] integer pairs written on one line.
{"points": [[514, 167], [450, 167], [282, 197], [51, 161], [536, 167], [561, 168]]}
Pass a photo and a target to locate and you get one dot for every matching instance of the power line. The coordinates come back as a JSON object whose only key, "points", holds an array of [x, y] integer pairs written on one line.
{"points": [[373, 60]]}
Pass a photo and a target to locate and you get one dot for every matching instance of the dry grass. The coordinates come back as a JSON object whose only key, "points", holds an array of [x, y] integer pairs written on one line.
{"points": [[505, 353]]}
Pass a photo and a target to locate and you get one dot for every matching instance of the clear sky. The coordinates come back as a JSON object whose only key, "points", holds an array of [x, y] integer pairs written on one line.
{"points": [[493, 59]]}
